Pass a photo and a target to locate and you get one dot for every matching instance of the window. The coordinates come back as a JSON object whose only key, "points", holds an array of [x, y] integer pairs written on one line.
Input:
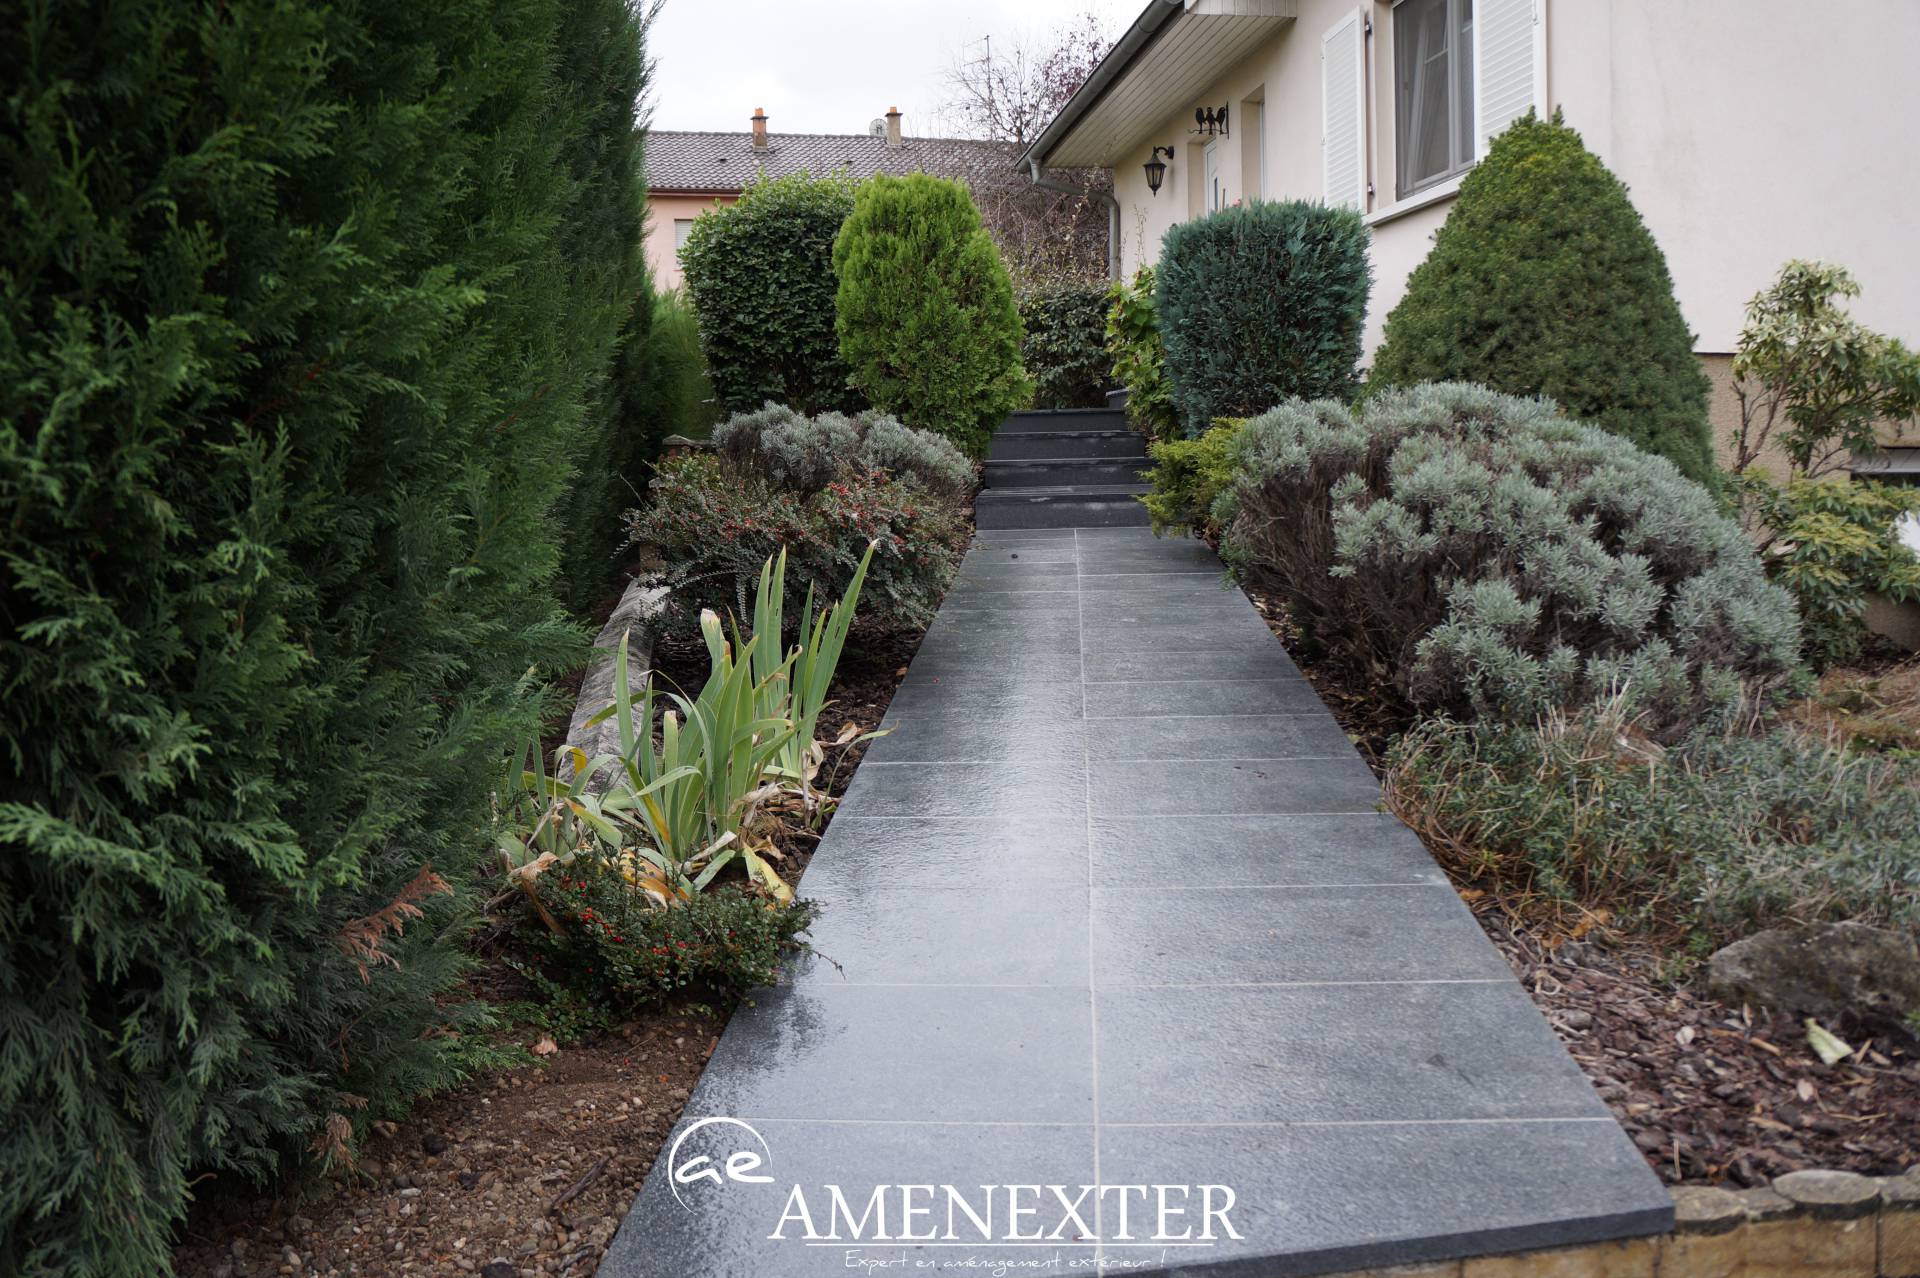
{"points": [[681, 227], [1432, 91]]}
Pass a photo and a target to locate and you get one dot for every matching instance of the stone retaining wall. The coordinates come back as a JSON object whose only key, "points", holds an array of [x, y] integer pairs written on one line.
{"points": [[1810, 1224]]}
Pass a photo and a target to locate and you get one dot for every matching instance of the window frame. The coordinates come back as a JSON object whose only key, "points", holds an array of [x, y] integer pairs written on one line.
{"points": [[1462, 104]]}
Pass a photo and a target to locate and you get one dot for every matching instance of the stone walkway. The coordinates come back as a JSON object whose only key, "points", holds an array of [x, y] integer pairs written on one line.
{"points": [[1113, 906]]}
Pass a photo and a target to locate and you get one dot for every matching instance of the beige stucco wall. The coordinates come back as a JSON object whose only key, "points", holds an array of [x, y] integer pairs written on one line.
{"points": [[1749, 132], [662, 211]]}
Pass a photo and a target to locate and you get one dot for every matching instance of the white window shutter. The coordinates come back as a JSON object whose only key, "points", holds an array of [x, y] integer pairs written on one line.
{"points": [[1342, 141], [1509, 78]]}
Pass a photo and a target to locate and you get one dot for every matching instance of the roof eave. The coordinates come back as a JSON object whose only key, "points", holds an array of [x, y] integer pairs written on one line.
{"points": [[1149, 24]]}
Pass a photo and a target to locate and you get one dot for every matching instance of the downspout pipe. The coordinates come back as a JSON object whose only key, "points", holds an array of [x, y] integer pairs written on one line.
{"points": [[1038, 179]]}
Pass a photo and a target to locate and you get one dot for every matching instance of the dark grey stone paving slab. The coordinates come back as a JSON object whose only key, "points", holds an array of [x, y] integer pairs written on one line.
{"points": [[944, 851], [1113, 905], [1233, 935], [1339, 850], [1221, 736], [829, 1049], [1282, 1053], [1321, 1199], [974, 931], [1204, 787], [1281, 695]]}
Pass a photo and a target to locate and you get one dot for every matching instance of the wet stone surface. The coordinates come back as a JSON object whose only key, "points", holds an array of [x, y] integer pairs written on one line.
{"points": [[1114, 905]]}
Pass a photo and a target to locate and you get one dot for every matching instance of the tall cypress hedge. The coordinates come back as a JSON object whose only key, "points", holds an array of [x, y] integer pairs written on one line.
{"points": [[1544, 281], [293, 364], [1259, 303], [602, 74]]}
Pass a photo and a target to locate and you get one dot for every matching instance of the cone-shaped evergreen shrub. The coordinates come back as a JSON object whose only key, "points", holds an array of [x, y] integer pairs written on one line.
{"points": [[1482, 554], [925, 310], [294, 362], [1260, 303], [761, 276], [1544, 281]]}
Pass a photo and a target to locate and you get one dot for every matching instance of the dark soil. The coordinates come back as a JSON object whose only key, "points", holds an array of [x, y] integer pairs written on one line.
{"points": [[470, 1180], [1711, 1094]]}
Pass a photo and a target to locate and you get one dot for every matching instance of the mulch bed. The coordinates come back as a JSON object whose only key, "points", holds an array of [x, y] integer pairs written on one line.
{"points": [[1711, 1094], [527, 1171]]}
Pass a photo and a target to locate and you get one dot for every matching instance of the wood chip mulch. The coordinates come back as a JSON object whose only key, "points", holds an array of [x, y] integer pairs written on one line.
{"points": [[1714, 1094]]}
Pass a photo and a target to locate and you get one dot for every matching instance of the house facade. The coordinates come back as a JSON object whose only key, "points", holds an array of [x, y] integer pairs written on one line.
{"points": [[689, 173], [1748, 131]]}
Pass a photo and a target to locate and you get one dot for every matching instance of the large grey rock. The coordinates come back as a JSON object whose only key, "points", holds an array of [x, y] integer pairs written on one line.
{"points": [[1821, 970]]}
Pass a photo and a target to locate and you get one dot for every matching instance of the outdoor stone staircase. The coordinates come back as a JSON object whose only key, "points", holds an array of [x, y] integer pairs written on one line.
{"points": [[1064, 468]]}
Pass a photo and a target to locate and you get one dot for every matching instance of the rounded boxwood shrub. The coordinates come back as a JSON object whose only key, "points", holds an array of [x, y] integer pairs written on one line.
{"points": [[1482, 554], [1544, 281], [761, 276], [925, 309], [1064, 350], [1260, 303]]}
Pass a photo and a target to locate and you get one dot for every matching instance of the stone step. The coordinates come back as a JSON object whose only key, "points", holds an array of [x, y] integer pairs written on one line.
{"points": [[1062, 472], [1086, 506], [1064, 419], [1083, 445]]}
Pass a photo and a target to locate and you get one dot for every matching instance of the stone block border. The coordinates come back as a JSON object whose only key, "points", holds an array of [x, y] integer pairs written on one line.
{"points": [[1808, 1224], [636, 613]]}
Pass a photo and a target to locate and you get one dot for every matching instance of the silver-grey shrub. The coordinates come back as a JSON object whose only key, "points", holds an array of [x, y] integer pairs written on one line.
{"points": [[918, 455], [793, 451], [803, 454], [1481, 554]]}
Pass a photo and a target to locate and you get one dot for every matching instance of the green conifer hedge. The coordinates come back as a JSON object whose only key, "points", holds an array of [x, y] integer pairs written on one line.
{"points": [[294, 362], [1259, 303], [1544, 281], [925, 311], [761, 276]]}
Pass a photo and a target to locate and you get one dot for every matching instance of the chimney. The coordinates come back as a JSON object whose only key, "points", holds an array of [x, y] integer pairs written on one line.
{"points": [[893, 128], [759, 129]]}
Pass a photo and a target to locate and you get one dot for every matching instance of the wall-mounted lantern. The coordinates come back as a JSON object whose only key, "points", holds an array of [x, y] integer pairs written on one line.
{"points": [[1212, 121], [1157, 168]]}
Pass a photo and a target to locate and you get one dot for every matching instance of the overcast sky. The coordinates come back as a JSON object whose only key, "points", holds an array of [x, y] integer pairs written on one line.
{"points": [[830, 66]]}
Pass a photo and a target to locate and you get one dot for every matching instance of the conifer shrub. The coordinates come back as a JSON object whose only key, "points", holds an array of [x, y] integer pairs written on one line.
{"points": [[294, 362], [668, 391], [1064, 347], [1260, 303], [762, 276], [925, 311], [1480, 554], [1545, 281], [1189, 477]]}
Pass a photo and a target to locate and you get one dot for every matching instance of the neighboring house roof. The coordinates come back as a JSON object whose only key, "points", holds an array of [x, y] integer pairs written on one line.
{"points": [[726, 162]]}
